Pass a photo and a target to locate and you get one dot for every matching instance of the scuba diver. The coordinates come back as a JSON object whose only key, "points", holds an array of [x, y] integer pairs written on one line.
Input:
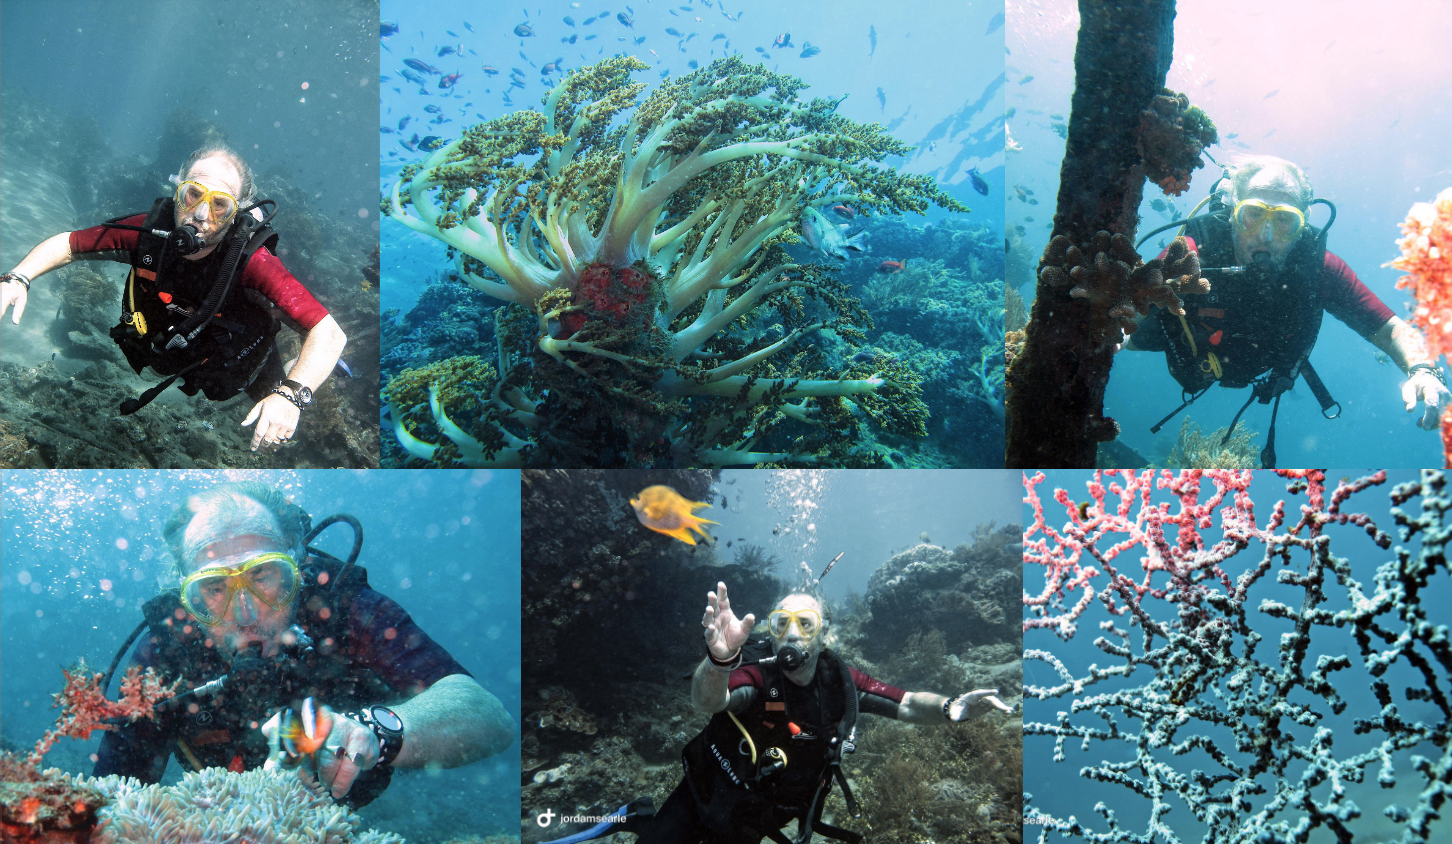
{"points": [[262, 625], [194, 311], [1271, 280], [783, 712]]}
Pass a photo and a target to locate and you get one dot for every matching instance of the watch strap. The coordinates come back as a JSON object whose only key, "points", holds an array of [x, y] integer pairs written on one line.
{"points": [[390, 742]]}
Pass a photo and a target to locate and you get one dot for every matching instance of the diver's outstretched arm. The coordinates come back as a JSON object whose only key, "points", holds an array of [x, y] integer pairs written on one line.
{"points": [[928, 708], [52, 253], [1404, 344], [725, 635]]}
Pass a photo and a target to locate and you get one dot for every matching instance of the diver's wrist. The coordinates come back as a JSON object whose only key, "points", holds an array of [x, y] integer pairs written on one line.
{"points": [[727, 665], [19, 278]]}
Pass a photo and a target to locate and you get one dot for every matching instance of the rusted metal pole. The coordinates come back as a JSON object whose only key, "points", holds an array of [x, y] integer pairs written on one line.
{"points": [[1056, 384]]}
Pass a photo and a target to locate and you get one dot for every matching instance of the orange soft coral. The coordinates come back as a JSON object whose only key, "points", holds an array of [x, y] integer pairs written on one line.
{"points": [[1426, 246], [85, 707], [1427, 258]]}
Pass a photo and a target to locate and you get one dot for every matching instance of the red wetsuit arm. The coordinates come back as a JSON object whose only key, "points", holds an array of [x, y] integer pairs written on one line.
{"points": [[1346, 298], [105, 239], [266, 274]]}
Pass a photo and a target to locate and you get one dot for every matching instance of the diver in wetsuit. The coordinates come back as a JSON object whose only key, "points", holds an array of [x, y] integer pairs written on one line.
{"points": [[783, 713], [177, 269], [1271, 280], [263, 628]]}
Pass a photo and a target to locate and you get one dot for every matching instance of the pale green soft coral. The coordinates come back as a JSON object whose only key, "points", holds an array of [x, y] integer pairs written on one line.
{"points": [[697, 186]]}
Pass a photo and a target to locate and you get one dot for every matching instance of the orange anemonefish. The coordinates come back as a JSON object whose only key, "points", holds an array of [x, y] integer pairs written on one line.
{"points": [[663, 510], [303, 733]]}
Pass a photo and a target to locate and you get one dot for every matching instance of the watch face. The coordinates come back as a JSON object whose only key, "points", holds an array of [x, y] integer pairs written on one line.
{"points": [[305, 394], [386, 719]]}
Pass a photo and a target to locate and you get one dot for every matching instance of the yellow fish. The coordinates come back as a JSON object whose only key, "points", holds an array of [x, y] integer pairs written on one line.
{"points": [[663, 510]]}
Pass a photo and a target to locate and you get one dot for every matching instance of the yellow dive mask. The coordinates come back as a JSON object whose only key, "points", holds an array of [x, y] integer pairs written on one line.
{"points": [[271, 578], [189, 195], [808, 621], [1286, 221]]}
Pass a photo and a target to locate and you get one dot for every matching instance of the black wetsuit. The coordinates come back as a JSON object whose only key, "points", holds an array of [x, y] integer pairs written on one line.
{"points": [[367, 650]]}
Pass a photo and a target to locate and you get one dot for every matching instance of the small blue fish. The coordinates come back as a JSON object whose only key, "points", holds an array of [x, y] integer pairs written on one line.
{"points": [[431, 142], [432, 109], [342, 366], [626, 20], [468, 27], [573, 39], [693, 64], [1271, 94], [808, 50], [587, 21], [718, 36], [524, 30], [881, 98], [422, 67], [452, 33], [386, 29], [569, 21], [994, 23], [670, 30], [640, 40], [872, 37]]}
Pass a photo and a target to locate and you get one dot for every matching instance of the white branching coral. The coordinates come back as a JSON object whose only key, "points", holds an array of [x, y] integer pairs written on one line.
{"points": [[664, 315]]}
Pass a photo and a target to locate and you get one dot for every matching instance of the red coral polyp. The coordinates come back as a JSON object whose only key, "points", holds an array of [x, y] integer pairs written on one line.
{"points": [[618, 296]]}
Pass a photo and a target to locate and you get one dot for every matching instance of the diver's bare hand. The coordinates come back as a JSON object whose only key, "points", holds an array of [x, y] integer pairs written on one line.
{"points": [[1427, 388], [351, 748], [276, 419], [725, 634], [958, 707], [13, 293]]}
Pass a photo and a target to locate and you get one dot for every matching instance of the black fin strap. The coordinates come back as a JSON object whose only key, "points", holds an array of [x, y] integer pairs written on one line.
{"points": [[130, 406], [1236, 420], [1155, 429], [1268, 454], [1318, 389]]}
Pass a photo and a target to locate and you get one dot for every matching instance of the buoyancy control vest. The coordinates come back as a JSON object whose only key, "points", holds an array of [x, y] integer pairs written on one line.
{"points": [[164, 290], [220, 730], [1256, 327], [751, 773], [1252, 323]]}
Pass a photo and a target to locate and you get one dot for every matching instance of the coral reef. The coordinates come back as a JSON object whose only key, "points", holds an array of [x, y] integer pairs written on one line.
{"points": [[751, 556], [44, 807], [655, 318], [212, 805], [968, 594], [1426, 246], [1172, 134], [1257, 725], [1111, 276], [1196, 450], [85, 707]]}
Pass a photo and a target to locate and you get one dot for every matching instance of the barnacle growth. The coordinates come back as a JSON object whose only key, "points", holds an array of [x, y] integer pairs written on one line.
{"points": [[654, 317]]}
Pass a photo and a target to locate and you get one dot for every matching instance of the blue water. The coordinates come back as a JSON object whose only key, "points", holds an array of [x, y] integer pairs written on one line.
{"points": [[444, 544], [809, 516], [1059, 790], [1354, 96], [242, 66], [940, 73]]}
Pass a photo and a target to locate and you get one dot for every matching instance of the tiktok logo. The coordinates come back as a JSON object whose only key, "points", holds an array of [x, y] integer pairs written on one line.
{"points": [[545, 818]]}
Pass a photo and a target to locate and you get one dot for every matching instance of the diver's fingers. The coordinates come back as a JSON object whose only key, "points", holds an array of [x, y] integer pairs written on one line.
{"points": [[19, 302], [252, 417], [724, 600], [745, 630], [1409, 394], [273, 724]]}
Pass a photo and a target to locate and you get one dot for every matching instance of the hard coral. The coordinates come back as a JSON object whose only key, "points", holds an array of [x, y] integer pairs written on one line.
{"points": [[647, 253], [1172, 134], [1110, 275], [45, 806]]}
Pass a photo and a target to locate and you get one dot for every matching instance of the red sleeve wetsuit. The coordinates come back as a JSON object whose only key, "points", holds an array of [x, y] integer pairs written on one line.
{"points": [[264, 273]]}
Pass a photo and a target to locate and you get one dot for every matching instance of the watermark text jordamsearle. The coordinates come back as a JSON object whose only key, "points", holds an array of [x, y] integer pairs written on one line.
{"points": [[548, 816]]}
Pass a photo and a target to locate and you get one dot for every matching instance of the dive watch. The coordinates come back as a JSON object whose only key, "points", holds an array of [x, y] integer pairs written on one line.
{"points": [[301, 395], [387, 727]]}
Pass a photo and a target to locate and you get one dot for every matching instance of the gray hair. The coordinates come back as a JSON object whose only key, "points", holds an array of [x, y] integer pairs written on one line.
{"points": [[234, 509], [212, 148], [1276, 173]]}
